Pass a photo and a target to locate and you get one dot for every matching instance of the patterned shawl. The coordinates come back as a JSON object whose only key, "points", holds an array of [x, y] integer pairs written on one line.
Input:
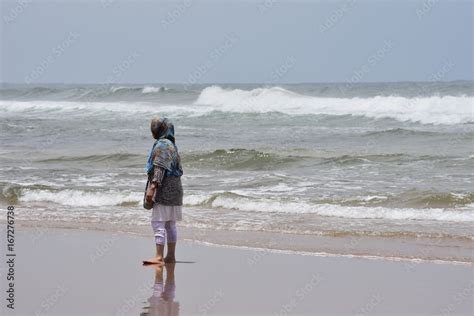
{"points": [[165, 151]]}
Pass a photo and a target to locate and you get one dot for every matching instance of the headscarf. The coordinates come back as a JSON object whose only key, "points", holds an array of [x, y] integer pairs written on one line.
{"points": [[164, 152], [163, 128]]}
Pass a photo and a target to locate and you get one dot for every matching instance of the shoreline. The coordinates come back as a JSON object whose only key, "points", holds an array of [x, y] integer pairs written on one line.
{"points": [[409, 250], [100, 273]]}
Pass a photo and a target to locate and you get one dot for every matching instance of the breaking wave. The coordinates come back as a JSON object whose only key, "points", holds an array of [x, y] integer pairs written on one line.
{"points": [[69, 197], [425, 110], [228, 200], [411, 205]]}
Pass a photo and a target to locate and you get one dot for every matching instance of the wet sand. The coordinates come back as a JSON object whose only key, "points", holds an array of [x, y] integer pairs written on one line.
{"points": [[401, 247], [78, 272]]}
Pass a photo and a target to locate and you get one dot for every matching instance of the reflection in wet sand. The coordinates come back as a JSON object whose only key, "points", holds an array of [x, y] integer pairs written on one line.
{"points": [[162, 300]]}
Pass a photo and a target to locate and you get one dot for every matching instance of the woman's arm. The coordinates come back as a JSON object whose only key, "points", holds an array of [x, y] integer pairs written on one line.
{"points": [[158, 175]]}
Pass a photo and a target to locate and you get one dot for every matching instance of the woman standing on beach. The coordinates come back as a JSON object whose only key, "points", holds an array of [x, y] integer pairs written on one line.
{"points": [[164, 192]]}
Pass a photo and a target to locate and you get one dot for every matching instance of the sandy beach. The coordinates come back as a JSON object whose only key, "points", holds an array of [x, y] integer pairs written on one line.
{"points": [[80, 272]]}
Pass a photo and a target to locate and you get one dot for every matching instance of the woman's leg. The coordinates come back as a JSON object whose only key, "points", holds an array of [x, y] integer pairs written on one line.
{"points": [[172, 237], [160, 232]]}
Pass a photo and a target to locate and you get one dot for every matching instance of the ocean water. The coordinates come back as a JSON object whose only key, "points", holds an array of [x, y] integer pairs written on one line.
{"points": [[385, 159]]}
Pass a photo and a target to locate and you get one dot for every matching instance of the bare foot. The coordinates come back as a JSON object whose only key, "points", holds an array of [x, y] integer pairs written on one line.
{"points": [[170, 259], [155, 260]]}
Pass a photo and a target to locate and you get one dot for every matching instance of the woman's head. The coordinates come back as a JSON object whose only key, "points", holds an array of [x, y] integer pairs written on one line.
{"points": [[155, 127], [162, 128]]}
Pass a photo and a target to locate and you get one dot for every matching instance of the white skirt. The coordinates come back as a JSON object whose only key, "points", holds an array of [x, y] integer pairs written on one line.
{"points": [[166, 212]]}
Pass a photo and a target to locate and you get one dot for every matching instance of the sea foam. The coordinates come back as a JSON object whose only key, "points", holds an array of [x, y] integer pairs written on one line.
{"points": [[240, 203], [426, 110], [81, 198], [449, 110], [236, 202]]}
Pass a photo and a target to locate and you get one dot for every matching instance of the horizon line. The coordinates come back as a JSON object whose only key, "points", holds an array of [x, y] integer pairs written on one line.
{"points": [[231, 83]]}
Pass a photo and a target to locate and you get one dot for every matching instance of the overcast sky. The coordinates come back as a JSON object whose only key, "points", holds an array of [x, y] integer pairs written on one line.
{"points": [[267, 41]]}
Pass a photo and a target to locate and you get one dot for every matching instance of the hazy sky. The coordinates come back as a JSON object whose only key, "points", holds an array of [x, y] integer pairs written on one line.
{"points": [[267, 41]]}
